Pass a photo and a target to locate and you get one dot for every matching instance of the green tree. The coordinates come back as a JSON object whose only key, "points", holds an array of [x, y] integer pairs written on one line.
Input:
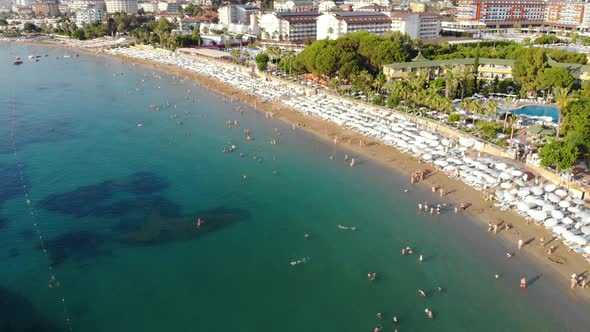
{"points": [[527, 67], [554, 77], [30, 27], [558, 154], [3, 22], [562, 100], [362, 81], [262, 61]]}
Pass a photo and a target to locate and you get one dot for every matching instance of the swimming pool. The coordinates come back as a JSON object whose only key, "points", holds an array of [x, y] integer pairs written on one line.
{"points": [[536, 110]]}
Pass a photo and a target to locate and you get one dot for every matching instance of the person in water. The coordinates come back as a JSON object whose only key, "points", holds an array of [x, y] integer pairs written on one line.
{"points": [[422, 293], [307, 236]]}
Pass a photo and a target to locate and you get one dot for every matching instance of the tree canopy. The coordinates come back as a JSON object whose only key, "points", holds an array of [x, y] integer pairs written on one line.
{"points": [[558, 154], [527, 67], [262, 61], [353, 53]]}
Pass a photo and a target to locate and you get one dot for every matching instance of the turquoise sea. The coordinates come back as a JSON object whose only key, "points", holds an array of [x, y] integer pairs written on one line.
{"points": [[112, 210]]}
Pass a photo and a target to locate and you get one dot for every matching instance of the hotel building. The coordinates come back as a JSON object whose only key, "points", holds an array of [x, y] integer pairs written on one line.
{"points": [[289, 26], [121, 6], [336, 24]]}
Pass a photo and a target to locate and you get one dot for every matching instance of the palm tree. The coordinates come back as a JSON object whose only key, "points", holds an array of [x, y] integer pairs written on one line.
{"points": [[464, 74], [450, 82], [562, 99]]}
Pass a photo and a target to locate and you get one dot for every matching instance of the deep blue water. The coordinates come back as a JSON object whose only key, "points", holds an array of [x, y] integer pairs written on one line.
{"points": [[112, 208]]}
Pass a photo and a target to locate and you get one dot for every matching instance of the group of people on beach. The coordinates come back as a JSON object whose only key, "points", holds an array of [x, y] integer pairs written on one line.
{"points": [[418, 175]]}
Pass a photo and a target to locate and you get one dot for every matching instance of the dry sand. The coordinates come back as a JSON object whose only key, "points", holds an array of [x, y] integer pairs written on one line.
{"points": [[562, 263]]}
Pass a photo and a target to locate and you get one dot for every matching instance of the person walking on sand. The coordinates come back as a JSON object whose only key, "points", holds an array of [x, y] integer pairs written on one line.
{"points": [[520, 243]]}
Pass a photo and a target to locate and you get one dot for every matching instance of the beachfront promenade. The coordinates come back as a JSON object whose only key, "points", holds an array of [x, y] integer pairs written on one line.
{"points": [[457, 154]]}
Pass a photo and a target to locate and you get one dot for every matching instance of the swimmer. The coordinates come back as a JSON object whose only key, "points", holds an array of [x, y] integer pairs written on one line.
{"points": [[429, 314], [395, 320], [508, 255], [497, 276], [422, 293], [244, 177], [307, 236], [439, 289], [421, 258], [199, 222], [379, 316], [403, 251]]}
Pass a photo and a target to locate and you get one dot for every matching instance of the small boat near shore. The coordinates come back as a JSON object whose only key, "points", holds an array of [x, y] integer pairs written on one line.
{"points": [[17, 61]]}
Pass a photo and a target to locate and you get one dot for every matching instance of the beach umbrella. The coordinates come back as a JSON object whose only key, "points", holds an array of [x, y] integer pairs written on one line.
{"points": [[585, 229], [482, 166], [427, 156], [580, 240], [559, 229], [506, 185], [509, 197], [548, 207], [564, 204], [553, 198], [560, 193], [557, 214], [540, 202], [499, 195], [568, 235], [501, 166], [524, 192], [505, 176], [550, 187], [536, 190], [578, 201], [530, 199], [573, 209], [445, 142], [539, 215], [441, 163], [516, 173], [522, 206], [567, 221], [550, 222], [468, 160], [520, 182]]}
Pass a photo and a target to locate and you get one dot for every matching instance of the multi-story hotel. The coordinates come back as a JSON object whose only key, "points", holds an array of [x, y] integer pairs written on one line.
{"points": [[416, 25], [564, 13], [121, 6], [46, 8], [336, 24], [229, 14], [289, 26], [88, 15], [524, 12], [494, 12]]}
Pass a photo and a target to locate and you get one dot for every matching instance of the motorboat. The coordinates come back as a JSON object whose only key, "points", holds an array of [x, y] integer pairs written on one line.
{"points": [[17, 61]]}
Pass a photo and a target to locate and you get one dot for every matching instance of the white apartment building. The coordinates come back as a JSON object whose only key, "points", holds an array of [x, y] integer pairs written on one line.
{"points": [[293, 5], [416, 25], [89, 15], [148, 7], [586, 18], [336, 24], [289, 26], [356, 4], [81, 4], [121, 6], [239, 14]]}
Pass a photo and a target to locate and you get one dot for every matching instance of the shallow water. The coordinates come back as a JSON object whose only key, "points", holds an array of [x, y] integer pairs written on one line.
{"points": [[115, 206]]}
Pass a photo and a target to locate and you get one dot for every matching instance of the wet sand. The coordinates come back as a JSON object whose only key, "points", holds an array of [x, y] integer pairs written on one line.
{"points": [[561, 264]]}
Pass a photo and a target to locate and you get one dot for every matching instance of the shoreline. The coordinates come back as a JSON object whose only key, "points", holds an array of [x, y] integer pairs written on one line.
{"points": [[564, 262]]}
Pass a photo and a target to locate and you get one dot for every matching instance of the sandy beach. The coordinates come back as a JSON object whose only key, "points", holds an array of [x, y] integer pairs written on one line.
{"points": [[561, 264]]}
